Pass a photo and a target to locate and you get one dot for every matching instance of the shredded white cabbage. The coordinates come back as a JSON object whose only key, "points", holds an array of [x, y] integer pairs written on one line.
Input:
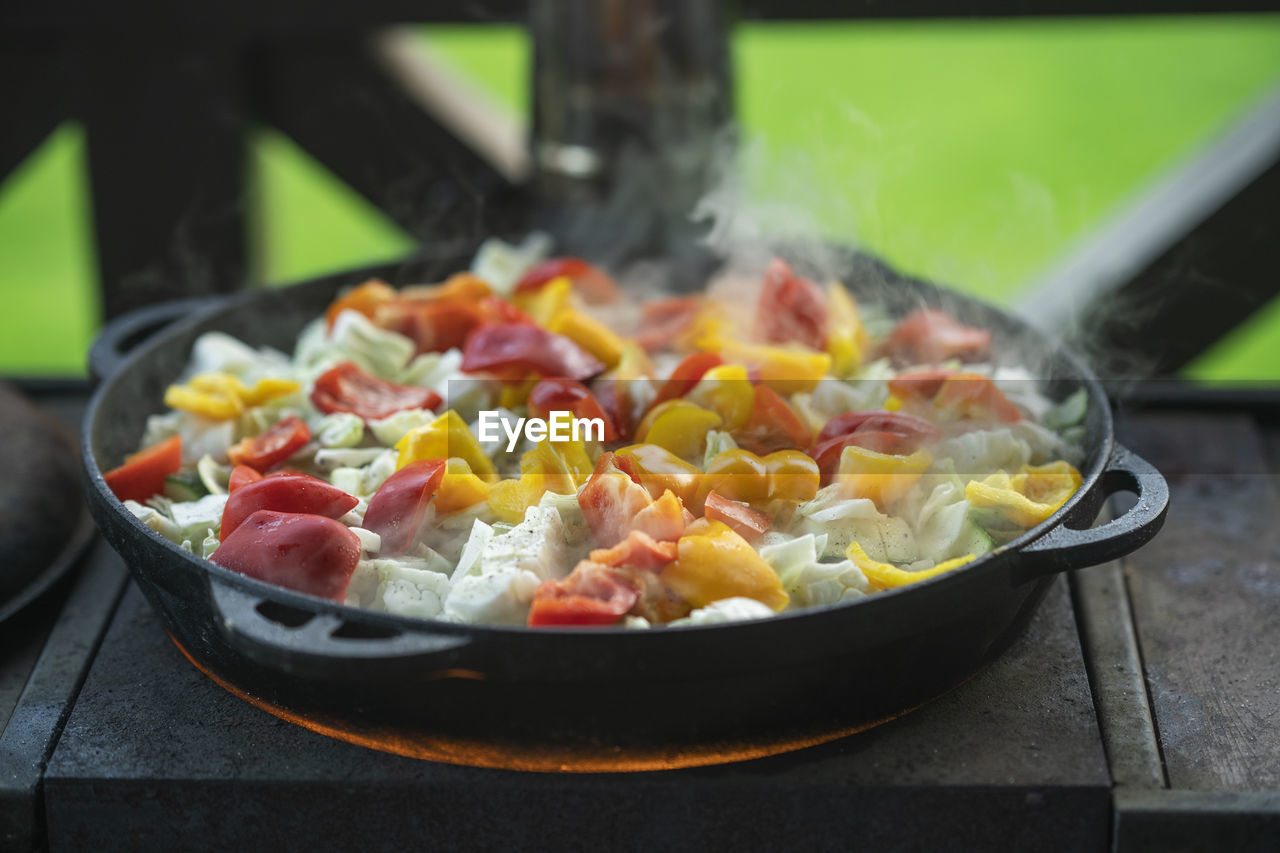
{"points": [[726, 610]]}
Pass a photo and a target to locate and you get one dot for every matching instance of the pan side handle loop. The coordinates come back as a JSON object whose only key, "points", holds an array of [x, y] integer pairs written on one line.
{"points": [[324, 645], [1065, 547], [121, 334]]}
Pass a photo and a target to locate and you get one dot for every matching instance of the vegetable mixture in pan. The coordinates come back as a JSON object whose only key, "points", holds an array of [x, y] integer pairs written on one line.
{"points": [[527, 444]]}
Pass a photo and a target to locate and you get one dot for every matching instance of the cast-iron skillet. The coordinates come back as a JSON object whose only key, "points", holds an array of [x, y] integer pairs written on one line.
{"points": [[850, 662]]}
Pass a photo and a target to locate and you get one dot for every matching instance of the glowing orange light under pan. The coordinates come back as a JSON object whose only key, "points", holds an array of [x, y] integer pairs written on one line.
{"points": [[546, 757]]}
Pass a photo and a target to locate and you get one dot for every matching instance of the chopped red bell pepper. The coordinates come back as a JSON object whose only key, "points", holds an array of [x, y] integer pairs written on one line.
{"points": [[298, 551], [241, 476], [296, 493], [398, 507], [748, 523], [791, 308], [142, 474], [271, 446], [347, 388], [433, 325], [686, 375], [513, 350], [919, 384], [638, 551], [976, 396], [883, 432], [565, 395], [928, 336], [773, 425], [664, 320], [595, 285]]}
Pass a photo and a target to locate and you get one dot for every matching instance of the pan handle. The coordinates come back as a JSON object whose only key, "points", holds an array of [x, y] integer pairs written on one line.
{"points": [[1066, 547], [325, 645], [122, 334]]}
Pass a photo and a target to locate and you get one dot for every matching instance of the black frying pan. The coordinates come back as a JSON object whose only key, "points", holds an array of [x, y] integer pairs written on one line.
{"points": [[857, 661]]}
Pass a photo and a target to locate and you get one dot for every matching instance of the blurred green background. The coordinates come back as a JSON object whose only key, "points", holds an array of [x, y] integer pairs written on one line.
{"points": [[970, 152]]}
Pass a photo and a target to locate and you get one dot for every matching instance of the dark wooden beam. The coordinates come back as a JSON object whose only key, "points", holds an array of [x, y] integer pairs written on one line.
{"points": [[1182, 265], [344, 107], [34, 99], [165, 137]]}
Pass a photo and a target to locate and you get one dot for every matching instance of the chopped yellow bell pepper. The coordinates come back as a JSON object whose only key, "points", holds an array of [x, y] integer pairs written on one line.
{"points": [[883, 477], [716, 563], [740, 475], [661, 471], [590, 334], [678, 426], [560, 467], [516, 394], [1029, 496], [634, 363], [786, 369], [846, 336], [222, 396], [889, 576], [793, 476], [543, 304], [446, 437], [725, 390], [460, 488], [466, 286]]}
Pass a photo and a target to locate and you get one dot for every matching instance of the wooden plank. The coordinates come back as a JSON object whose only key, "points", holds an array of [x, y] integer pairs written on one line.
{"points": [[1103, 612], [32, 730], [1175, 821], [1206, 602]]}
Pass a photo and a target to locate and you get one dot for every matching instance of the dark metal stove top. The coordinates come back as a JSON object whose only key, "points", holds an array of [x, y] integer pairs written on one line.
{"points": [[110, 739]]}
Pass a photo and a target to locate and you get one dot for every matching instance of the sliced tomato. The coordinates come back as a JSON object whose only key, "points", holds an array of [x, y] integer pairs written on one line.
{"points": [[142, 474], [883, 432], [347, 388], [398, 507], [367, 299], [773, 425], [638, 551], [611, 500], [748, 523], [284, 493], [512, 350], [975, 396], [791, 308], [665, 320], [686, 375], [590, 595], [595, 285], [271, 446], [928, 336], [307, 553], [566, 395], [241, 476]]}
